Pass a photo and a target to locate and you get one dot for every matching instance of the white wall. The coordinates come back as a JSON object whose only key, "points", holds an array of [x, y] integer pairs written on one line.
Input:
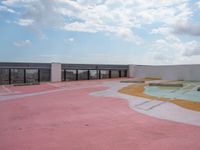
{"points": [[131, 71], [55, 72], [174, 72]]}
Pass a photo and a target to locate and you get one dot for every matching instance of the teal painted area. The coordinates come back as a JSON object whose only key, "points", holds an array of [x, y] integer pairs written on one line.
{"points": [[187, 92]]}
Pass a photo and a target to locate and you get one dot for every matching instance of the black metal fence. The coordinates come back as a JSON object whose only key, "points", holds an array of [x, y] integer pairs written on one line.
{"points": [[76, 74], [20, 73]]}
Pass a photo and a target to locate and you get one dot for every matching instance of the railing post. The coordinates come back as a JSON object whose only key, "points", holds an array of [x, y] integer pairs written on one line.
{"points": [[76, 74], [120, 73], [88, 72], [9, 78], [24, 75], [109, 73]]}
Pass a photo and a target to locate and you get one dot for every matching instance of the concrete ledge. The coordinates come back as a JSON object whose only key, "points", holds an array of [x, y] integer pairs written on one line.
{"points": [[167, 84], [132, 81]]}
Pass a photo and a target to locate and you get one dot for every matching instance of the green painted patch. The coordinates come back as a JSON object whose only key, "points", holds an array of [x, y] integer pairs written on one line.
{"points": [[187, 92]]}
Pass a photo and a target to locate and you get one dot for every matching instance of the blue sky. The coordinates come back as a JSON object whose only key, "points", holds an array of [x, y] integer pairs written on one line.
{"points": [[101, 31]]}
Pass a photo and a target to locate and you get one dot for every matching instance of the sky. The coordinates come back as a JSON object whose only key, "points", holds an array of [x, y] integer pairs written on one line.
{"points": [[146, 32]]}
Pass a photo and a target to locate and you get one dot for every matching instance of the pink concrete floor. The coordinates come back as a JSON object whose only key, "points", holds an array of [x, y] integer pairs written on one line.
{"points": [[74, 120]]}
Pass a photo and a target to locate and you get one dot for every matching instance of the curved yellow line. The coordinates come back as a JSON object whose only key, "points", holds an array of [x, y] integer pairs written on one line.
{"points": [[138, 90]]}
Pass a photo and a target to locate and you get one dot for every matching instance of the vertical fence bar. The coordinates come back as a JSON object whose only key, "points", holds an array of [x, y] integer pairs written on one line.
{"points": [[38, 75], [76, 74], [126, 73], [9, 78], [109, 73], [120, 73], [99, 74], [88, 74], [65, 75], [24, 75]]}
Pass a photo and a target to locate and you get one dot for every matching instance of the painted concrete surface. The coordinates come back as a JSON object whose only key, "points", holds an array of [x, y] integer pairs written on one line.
{"points": [[187, 92], [73, 118], [162, 110], [6, 91]]}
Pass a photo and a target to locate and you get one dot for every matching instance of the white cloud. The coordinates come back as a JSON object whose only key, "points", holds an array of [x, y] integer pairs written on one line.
{"points": [[6, 9], [14, 2], [117, 17], [172, 50], [165, 20], [22, 43], [37, 13], [192, 49], [9, 2], [162, 30], [188, 28], [198, 4], [25, 22], [71, 39], [80, 27]]}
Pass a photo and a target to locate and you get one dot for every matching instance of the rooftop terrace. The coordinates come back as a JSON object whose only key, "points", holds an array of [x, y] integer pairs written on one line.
{"points": [[91, 115]]}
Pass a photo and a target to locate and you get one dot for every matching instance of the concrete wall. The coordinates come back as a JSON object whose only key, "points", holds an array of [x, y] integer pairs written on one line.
{"points": [[55, 72], [175, 72]]}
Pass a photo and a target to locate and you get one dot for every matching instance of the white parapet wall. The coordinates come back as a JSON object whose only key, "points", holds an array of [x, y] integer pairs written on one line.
{"points": [[172, 72], [55, 72], [131, 71]]}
